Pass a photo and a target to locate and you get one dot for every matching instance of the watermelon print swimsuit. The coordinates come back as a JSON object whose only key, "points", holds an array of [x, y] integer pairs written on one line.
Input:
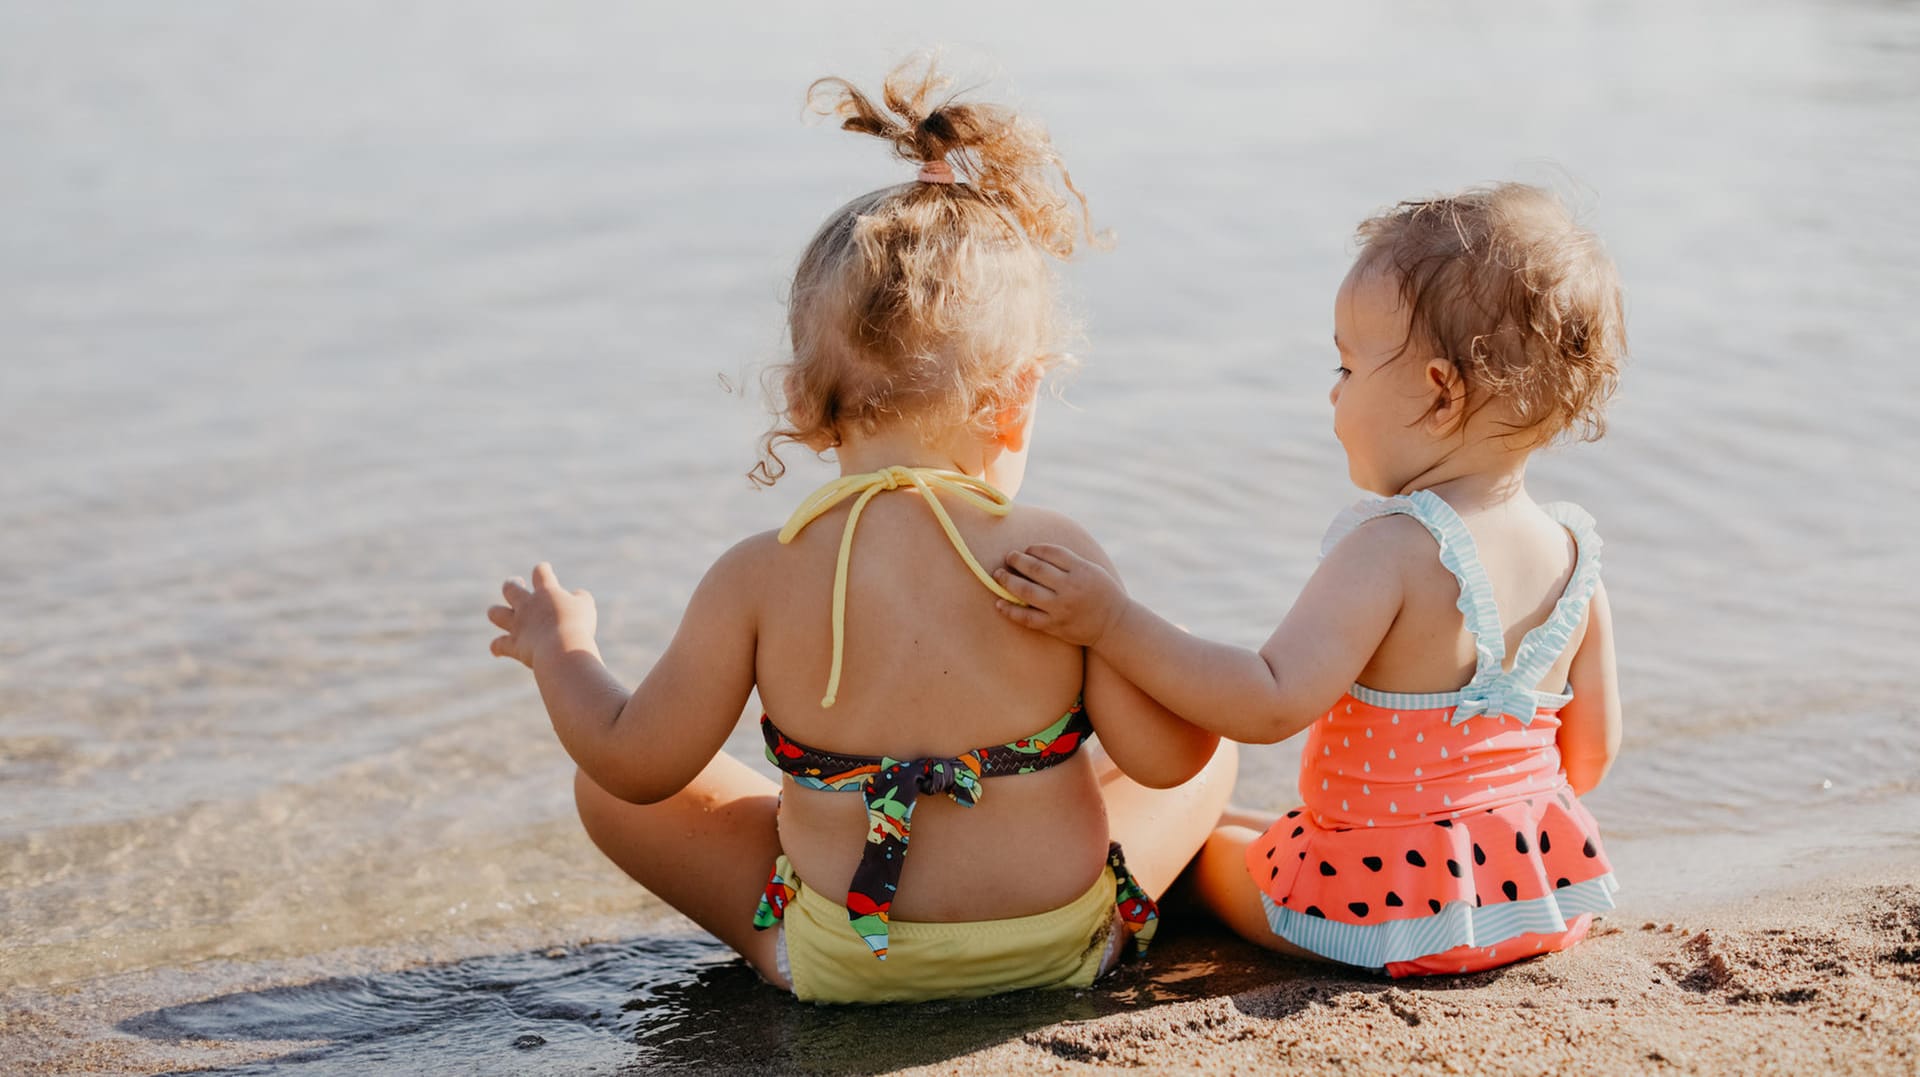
{"points": [[1437, 832]]}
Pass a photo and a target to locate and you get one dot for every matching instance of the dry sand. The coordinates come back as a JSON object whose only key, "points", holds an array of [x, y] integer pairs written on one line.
{"points": [[1825, 980]]}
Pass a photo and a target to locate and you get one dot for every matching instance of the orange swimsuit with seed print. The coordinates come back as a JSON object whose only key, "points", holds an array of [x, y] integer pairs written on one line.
{"points": [[1437, 832]]}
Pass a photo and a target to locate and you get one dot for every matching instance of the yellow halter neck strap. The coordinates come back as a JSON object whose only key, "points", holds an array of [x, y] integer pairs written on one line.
{"points": [[925, 479]]}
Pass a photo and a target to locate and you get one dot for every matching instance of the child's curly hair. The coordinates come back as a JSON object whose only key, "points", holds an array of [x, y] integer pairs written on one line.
{"points": [[925, 301], [1518, 297]]}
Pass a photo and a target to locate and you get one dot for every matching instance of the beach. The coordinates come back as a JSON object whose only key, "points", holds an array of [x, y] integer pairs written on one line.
{"points": [[1822, 980], [321, 321]]}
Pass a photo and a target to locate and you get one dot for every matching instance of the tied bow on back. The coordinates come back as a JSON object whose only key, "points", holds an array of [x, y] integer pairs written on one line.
{"points": [[1515, 701], [890, 794], [1505, 694], [890, 787]]}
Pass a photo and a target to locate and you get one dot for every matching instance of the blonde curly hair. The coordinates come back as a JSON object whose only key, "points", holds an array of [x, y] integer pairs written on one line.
{"points": [[1523, 301], [926, 301]]}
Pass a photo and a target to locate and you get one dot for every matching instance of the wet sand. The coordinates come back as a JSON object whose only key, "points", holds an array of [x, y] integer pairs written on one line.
{"points": [[1823, 979]]}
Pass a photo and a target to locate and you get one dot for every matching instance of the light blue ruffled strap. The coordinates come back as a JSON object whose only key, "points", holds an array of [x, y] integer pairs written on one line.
{"points": [[1513, 693], [1494, 690], [1458, 554], [1544, 645]]}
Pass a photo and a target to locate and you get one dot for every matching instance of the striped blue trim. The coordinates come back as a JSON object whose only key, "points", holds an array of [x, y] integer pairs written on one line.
{"points": [[1540, 647], [1456, 924], [1457, 553], [1426, 701], [1462, 558]]}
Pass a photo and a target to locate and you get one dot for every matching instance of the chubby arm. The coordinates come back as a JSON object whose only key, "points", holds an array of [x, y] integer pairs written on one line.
{"points": [[1590, 724], [1252, 696], [646, 746], [1149, 743]]}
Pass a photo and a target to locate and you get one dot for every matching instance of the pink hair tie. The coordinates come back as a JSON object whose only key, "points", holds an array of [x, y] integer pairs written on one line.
{"points": [[936, 172]]}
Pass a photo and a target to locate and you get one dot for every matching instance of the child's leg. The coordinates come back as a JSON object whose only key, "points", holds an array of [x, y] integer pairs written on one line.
{"points": [[1247, 817], [706, 850], [1221, 882], [1160, 829]]}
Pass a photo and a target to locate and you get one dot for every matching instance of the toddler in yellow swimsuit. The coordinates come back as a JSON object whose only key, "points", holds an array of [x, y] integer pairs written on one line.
{"points": [[923, 319]]}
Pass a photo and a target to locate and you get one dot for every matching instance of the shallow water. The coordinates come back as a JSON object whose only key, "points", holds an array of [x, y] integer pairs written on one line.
{"points": [[321, 320], [664, 1004]]}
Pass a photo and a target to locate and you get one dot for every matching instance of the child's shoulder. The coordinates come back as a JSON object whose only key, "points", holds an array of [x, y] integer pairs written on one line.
{"points": [[1380, 529], [1027, 525], [746, 562]]}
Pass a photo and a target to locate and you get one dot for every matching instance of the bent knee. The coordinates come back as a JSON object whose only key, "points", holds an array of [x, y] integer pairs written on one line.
{"points": [[1218, 776], [1226, 759]]}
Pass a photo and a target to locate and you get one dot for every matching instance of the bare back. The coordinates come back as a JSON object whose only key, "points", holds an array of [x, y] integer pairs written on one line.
{"points": [[929, 669]]}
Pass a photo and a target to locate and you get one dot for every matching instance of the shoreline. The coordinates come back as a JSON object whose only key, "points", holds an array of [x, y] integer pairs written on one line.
{"points": [[1821, 977]]}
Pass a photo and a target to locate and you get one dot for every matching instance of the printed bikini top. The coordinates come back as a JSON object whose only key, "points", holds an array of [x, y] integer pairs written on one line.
{"points": [[891, 786]]}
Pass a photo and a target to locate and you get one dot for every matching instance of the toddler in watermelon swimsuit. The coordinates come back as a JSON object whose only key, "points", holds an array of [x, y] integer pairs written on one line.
{"points": [[1451, 660]]}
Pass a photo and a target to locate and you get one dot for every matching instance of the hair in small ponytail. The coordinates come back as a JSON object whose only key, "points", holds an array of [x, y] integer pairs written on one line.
{"points": [[926, 300]]}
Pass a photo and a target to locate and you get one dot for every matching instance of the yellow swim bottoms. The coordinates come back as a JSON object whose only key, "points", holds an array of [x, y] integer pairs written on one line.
{"points": [[827, 961]]}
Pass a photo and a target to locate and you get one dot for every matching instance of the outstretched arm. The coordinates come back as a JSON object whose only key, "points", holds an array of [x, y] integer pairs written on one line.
{"points": [[1253, 696], [644, 746], [1149, 743], [1590, 723]]}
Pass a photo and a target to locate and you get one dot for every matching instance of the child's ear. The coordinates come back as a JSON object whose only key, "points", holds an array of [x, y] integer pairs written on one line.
{"points": [[1015, 414], [1448, 390]]}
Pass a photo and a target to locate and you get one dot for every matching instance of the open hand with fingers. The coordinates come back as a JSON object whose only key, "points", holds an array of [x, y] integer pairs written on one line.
{"points": [[1066, 595], [543, 620]]}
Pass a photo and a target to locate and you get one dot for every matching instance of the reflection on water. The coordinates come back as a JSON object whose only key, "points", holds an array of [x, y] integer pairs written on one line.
{"points": [[651, 1005]]}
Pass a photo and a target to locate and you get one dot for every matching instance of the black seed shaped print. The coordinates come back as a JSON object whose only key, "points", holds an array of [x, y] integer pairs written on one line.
{"points": [[1274, 874], [1453, 866], [1562, 883], [1359, 908], [1414, 858], [1294, 813], [1327, 869], [1373, 863], [1434, 905], [1479, 854], [1545, 845], [1393, 900], [1448, 823], [1589, 849], [1272, 849], [1520, 844], [1314, 910], [1299, 830], [1508, 888]]}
